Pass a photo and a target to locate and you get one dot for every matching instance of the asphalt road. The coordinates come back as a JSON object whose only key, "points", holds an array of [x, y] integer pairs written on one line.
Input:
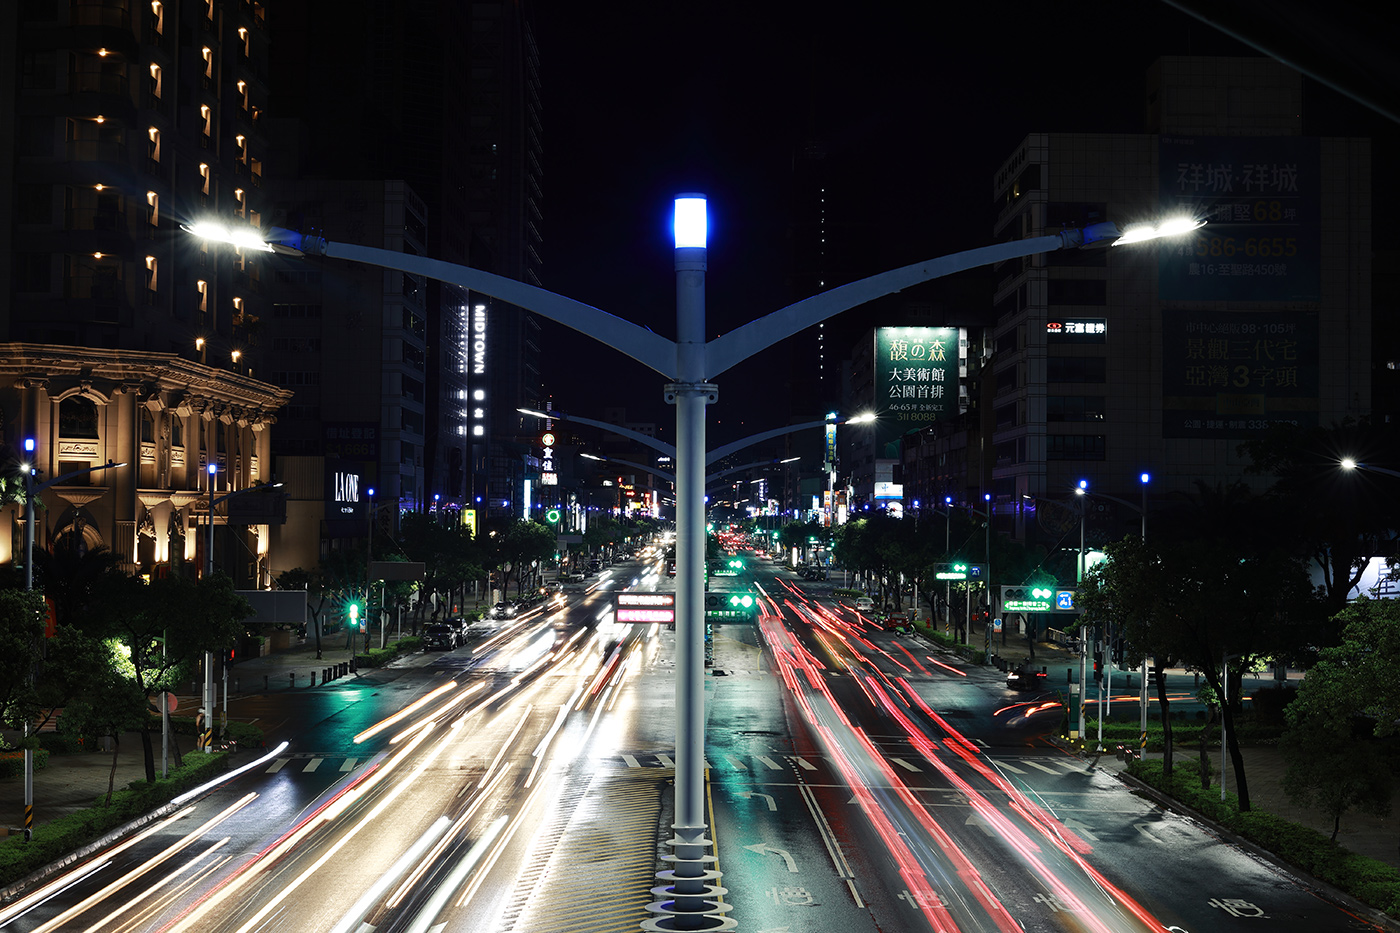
{"points": [[857, 782]]}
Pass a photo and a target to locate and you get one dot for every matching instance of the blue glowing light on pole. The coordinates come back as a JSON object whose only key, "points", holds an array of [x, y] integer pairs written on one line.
{"points": [[691, 222]]}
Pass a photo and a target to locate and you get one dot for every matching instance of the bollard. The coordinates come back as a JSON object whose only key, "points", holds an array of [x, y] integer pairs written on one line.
{"points": [[292, 679], [327, 675], [313, 678]]}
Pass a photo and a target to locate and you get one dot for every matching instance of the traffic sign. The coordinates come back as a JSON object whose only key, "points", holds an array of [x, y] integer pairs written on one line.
{"points": [[1037, 599], [959, 570]]}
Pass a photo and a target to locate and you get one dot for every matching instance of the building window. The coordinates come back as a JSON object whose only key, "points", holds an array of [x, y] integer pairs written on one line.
{"points": [[158, 17], [1074, 447], [240, 202], [1077, 292], [156, 85], [1074, 408], [243, 42], [204, 176], [153, 149], [203, 288], [208, 55], [207, 130], [77, 417], [243, 96], [1090, 369], [148, 427], [151, 273], [153, 208]]}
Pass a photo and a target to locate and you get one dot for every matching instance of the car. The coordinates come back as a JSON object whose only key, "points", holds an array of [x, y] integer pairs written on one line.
{"points": [[865, 604], [1026, 678], [503, 610], [439, 636]]}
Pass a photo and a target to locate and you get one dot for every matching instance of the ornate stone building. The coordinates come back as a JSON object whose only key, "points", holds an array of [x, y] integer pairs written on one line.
{"points": [[166, 418]]}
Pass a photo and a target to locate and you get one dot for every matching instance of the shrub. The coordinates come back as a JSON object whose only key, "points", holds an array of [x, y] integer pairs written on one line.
{"points": [[57, 838], [12, 763], [1366, 879]]}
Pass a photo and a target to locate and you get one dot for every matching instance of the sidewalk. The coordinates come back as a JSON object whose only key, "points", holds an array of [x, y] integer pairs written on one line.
{"points": [[1264, 765], [73, 782]]}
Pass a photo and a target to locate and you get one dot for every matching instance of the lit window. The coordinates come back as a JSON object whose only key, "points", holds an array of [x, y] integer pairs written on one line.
{"points": [[208, 55], [155, 81], [154, 149], [158, 17], [204, 178], [153, 208], [151, 273], [241, 142], [243, 93], [240, 201], [203, 288], [236, 355], [243, 37], [238, 305]]}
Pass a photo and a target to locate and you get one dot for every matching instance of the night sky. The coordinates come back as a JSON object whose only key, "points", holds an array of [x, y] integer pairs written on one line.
{"points": [[918, 107]]}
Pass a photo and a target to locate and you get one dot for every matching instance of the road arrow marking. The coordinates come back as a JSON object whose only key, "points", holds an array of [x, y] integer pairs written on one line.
{"points": [[772, 804], [1079, 829], [1143, 828], [975, 819], [763, 847]]}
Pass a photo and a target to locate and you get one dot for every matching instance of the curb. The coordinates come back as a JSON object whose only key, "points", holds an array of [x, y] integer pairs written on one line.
{"points": [[14, 890]]}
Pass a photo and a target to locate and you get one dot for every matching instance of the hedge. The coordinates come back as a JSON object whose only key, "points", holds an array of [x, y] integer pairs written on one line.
{"points": [[55, 839], [378, 657], [1368, 880], [12, 763]]}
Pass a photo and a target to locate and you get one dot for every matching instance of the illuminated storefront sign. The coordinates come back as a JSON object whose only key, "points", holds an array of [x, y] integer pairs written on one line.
{"points": [[916, 378], [547, 475], [645, 607]]}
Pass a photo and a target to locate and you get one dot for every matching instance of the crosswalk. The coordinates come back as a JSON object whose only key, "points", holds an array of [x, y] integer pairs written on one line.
{"points": [[762, 764], [307, 764]]}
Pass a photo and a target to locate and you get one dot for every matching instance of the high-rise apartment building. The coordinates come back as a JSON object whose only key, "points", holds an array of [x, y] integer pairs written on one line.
{"points": [[125, 338], [1160, 360], [443, 96]]}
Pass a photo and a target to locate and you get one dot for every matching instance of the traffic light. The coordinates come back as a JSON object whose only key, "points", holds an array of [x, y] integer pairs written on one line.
{"points": [[1098, 661], [552, 516], [355, 616]]}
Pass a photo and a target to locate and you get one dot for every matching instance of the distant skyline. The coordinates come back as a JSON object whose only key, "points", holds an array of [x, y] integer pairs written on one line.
{"points": [[916, 109]]}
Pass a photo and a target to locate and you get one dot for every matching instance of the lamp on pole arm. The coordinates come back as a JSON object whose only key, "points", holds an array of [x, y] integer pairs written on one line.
{"points": [[689, 362]]}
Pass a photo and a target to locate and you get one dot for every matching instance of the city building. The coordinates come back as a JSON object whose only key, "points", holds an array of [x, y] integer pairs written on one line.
{"points": [[1111, 364], [443, 96], [124, 338]]}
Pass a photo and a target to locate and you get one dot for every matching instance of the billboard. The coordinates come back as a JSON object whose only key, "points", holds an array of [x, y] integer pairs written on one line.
{"points": [[1234, 373], [916, 378], [346, 498], [1261, 199]]}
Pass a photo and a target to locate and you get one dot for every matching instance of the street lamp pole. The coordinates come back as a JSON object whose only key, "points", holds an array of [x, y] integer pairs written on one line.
{"points": [[689, 361], [209, 695], [1078, 581], [30, 491]]}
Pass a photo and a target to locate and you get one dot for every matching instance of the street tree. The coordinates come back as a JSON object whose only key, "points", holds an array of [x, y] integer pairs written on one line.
{"points": [[1213, 587], [1347, 700], [161, 629], [1340, 518], [21, 634]]}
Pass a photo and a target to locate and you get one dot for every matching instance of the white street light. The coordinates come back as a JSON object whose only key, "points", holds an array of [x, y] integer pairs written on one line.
{"points": [[689, 362], [1167, 228]]}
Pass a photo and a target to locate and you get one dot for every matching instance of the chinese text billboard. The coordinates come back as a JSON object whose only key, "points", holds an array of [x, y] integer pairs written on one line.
{"points": [[1233, 373], [1261, 199], [916, 378]]}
